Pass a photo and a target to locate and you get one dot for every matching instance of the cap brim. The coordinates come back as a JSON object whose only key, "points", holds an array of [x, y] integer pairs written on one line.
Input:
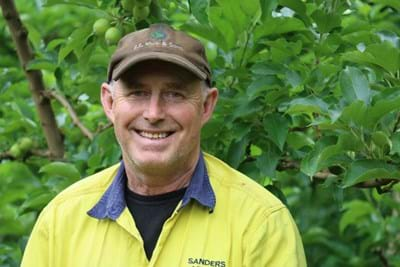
{"points": [[128, 62]]}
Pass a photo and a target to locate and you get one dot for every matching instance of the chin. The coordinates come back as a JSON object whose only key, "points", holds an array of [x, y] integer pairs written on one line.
{"points": [[153, 160]]}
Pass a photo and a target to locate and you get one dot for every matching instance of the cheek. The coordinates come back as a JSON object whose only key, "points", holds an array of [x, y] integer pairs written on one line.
{"points": [[124, 112], [191, 121]]}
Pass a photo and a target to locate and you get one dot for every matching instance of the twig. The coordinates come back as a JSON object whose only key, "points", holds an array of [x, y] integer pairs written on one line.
{"points": [[382, 257], [46, 115], [5, 155], [34, 152], [324, 174], [246, 45], [61, 98], [103, 127]]}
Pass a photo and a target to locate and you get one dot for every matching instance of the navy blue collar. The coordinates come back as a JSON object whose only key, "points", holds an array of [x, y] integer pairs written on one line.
{"points": [[112, 203]]}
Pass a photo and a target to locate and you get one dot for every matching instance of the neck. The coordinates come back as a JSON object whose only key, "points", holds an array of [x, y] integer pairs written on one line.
{"points": [[145, 183]]}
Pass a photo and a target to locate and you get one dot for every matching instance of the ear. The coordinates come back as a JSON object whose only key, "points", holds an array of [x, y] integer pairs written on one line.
{"points": [[209, 104], [107, 101]]}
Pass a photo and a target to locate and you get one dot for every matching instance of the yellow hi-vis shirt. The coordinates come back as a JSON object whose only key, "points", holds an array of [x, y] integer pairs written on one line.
{"points": [[236, 224]]}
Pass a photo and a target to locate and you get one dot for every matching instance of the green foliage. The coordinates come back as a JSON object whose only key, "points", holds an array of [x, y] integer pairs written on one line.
{"points": [[309, 108]]}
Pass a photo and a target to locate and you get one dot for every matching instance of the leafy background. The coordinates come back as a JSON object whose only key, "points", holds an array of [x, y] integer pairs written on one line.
{"points": [[309, 108]]}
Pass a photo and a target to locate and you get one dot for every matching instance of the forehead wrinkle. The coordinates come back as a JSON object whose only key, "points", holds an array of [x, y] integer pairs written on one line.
{"points": [[174, 85]]}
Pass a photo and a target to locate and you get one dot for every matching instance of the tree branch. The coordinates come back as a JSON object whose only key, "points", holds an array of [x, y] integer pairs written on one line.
{"points": [[104, 127], [324, 174], [20, 37], [75, 119], [34, 152], [5, 155]]}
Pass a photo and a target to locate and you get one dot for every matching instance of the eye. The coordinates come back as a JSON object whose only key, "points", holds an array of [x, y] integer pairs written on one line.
{"points": [[174, 95], [138, 93]]}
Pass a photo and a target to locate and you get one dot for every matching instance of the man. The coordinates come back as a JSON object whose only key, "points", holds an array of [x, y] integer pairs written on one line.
{"points": [[167, 203]]}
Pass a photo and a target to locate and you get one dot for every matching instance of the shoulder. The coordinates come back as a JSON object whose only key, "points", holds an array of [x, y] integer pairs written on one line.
{"points": [[233, 185]]}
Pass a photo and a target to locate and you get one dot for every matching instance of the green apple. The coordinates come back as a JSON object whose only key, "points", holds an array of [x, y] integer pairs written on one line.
{"points": [[142, 3], [127, 4], [100, 26], [172, 6], [141, 13], [25, 144], [113, 35], [15, 151], [81, 109]]}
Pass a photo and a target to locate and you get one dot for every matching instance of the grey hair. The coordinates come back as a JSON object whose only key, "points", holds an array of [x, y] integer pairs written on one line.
{"points": [[204, 89], [112, 88]]}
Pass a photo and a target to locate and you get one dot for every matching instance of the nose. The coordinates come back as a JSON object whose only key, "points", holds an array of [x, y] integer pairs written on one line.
{"points": [[154, 110]]}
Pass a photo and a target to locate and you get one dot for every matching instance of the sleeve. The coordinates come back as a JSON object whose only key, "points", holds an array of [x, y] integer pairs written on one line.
{"points": [[37, 250], [276, 242]]}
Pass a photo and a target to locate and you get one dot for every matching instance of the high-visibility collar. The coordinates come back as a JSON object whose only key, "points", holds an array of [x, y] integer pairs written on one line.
{"points": [[112, 203]]}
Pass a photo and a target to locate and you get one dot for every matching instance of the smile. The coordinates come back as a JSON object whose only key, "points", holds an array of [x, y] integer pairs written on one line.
{"points": [[154, 136]]}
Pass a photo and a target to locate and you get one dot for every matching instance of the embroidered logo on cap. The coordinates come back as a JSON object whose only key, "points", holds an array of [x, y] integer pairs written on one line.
{"points": [[158, 34]]}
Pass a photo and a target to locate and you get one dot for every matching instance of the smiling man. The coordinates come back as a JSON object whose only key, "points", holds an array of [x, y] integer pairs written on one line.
{"points": [[167, 203]]}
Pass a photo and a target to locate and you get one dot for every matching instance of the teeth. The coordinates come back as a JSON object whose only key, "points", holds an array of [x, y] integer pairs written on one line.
{"points": [[153, 135]]}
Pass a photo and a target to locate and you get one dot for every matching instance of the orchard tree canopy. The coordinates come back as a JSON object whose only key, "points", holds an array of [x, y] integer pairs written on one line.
{"points": [[309, 108]]}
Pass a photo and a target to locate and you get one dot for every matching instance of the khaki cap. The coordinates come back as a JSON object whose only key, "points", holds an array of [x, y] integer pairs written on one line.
{"points": [[160, 42]]}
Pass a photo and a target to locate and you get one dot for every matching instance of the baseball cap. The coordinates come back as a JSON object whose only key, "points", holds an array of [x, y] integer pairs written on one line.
{"points": [[160, 42]]}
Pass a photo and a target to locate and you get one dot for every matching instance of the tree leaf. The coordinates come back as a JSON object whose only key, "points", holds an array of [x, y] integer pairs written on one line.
{"points": [[251, 8], [355, 210], [267, 6], [61, 169], [236, 152], [297, 140], [207, 33], [34, 36], [392, 3], [14, 171], [325, 21], [215, 15], [319, 159], [199, 10], [369, 169], [396, 143], [349, 142], [354, 85], [277, 127], [246, 108], [281, 50], [307, 105], [260, 84], [354, 114], [76, 41], [41, 64], [211, 128], [36, 201], [278, 26], [232, 12], [385, 55], [85, 3], [381, 108], [269, 160], [381, 139], [299, 7]]}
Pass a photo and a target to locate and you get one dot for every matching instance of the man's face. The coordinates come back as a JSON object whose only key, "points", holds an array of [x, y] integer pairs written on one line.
{"points": [[158, 110]]}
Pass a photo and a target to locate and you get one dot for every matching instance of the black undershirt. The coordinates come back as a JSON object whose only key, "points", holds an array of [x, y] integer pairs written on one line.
{"points": [[150, 213]]}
